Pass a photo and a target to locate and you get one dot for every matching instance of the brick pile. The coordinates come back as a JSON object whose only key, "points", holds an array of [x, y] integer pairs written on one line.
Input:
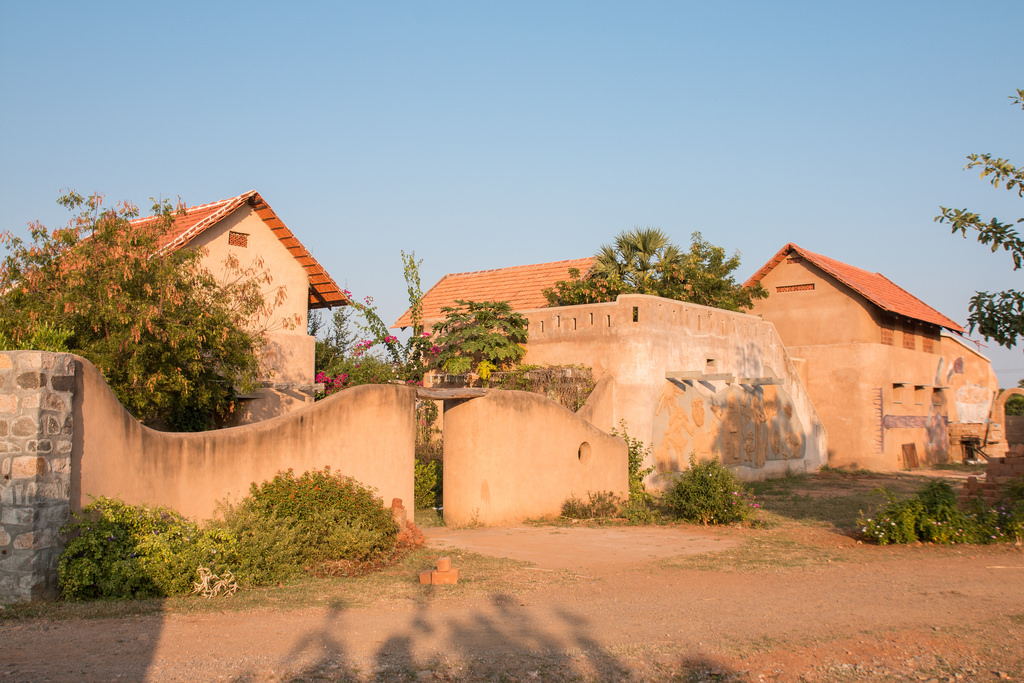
{"points": [[998, 473], [444, 574], [409, 535]]}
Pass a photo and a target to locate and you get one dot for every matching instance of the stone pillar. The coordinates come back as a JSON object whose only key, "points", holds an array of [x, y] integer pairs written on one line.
{"points": [[36, 427]]}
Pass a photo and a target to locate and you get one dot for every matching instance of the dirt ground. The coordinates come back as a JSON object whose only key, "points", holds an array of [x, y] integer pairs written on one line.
{"points": [[664, 603]]}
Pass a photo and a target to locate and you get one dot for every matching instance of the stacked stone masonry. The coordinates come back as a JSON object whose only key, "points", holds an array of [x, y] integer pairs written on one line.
{"points": [[36, 428]]}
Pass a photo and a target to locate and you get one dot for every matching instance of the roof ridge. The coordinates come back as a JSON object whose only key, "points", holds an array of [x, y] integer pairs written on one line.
{"points": [[528, 265], [324, 293], [866, 284]]}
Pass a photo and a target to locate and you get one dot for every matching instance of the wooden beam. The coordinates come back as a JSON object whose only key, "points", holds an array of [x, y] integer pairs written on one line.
{"points": [[700, 376], [444, 394], [684, 374]]}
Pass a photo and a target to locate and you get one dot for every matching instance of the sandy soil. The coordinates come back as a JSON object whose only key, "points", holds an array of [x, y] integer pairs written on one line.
{"points": [[611, 604]]}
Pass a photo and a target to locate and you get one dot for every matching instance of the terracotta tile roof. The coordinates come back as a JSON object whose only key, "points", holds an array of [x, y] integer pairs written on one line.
{"points": [[523, 286], [323, 290], [874, 287]]}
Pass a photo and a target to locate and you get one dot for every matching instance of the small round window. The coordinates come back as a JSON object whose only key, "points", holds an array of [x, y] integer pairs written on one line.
{"points": [[583, 454]]}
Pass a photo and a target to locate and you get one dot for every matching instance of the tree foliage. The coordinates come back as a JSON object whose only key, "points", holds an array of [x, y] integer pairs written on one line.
{"points": [[480, 336], [334, 338], [170, 340], [644, 261], [996, 315]]}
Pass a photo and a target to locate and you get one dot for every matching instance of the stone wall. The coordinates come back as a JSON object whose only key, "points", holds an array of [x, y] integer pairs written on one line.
{"points": [[36, 427]]}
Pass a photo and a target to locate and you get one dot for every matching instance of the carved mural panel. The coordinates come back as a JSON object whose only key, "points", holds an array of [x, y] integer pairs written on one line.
{"points": [[736, 423]]}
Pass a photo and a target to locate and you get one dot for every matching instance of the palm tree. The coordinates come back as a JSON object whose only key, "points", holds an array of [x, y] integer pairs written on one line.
{"points": [[638, 258]]}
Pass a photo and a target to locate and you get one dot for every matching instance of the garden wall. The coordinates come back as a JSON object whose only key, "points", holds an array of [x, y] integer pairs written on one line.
{"points": [[65, 438], [511, 455]]}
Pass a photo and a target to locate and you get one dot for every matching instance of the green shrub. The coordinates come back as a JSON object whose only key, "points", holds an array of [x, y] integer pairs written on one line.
{"points": [[639, 507], [932, 516], [709, 493], [639, 512], [335, 517], [896, 522], [267, 551], [429, 481], [599, 504], [284, 527], [118, 550], [428, 484]]}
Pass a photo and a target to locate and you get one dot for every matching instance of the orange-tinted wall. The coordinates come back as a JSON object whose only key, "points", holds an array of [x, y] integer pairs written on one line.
{"points": [[367, 432], [883, 386]]}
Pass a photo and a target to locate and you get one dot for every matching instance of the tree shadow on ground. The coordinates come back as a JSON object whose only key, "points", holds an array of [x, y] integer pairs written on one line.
{"points": [[500, 640]]}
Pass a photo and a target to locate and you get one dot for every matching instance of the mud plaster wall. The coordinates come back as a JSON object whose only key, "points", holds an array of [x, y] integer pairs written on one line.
{"points": [[511, 455], [638, 339], [367, 432], [738, 424], [288, 356]]}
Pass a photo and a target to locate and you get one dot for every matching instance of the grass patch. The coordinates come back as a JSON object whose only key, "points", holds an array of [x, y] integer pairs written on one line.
{"points": [[764, 552], [832, 499], [478, 575], [976, 468], [428, 517]]}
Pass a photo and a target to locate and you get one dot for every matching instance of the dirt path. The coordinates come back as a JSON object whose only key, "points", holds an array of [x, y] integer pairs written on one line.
{"points": [[581, 549], [831, 610]]}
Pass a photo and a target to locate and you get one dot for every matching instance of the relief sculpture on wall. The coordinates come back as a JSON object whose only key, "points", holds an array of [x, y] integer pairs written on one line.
{"points": [[737, 424]]}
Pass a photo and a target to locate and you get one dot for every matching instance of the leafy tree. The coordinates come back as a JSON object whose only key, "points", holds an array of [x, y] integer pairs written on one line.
{"points": [[1015, 404], [582, 288], [641, 260], [334, 339], [481, 336], [170, 340], [644, 261], [996, 315]]}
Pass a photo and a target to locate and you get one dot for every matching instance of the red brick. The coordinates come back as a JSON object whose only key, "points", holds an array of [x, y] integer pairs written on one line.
{"points": [[449, 578]]}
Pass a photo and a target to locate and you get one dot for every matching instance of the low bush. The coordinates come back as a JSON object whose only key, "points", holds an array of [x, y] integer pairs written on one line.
{"points": [[932, 516], [709, 493], [284, 527], [118, 550], [599, 505], [429, 480], [427, 483], [639, 507], [334, 517]]}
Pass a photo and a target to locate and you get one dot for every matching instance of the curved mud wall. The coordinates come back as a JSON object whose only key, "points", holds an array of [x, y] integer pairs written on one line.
{"points": [[510, 455], [367, 432]]}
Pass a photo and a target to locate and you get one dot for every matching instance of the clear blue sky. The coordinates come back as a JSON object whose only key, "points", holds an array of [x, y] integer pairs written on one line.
{"points": [[484, 135]]}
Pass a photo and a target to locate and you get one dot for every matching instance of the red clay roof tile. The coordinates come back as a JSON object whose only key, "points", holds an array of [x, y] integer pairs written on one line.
{"points": [[522, 286], [874, 287], [323, 291]]}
